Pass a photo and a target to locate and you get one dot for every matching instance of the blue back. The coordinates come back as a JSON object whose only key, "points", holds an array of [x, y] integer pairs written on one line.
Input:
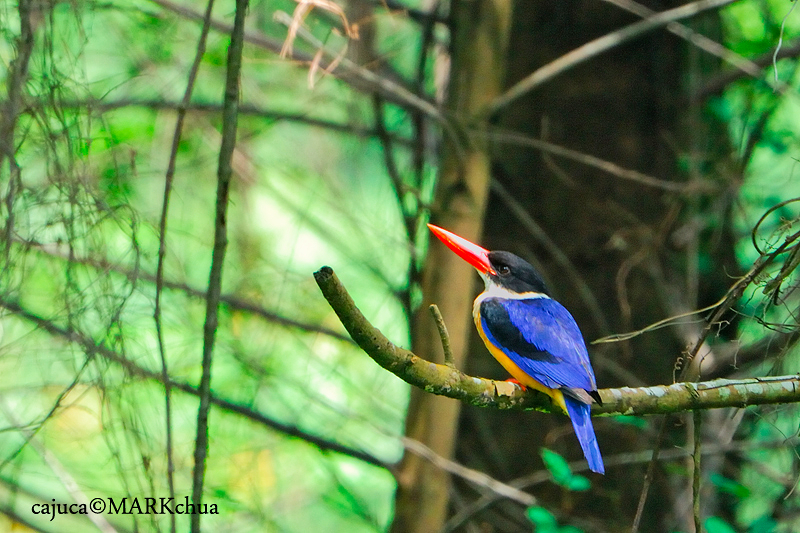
{"points": [[541, 337]]}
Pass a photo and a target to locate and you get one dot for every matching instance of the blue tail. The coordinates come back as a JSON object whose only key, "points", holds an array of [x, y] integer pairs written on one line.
{"points": [[582, 422]]}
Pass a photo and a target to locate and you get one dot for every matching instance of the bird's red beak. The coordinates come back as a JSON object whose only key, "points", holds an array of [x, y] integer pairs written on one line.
{"points": [[469, 252]]}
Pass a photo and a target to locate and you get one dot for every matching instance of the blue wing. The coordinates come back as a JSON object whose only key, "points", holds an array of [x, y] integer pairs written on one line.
{"points": [[541, 337]]}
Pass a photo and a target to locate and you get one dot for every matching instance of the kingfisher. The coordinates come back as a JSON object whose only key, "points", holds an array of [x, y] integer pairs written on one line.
{"points": [[533, 336]]}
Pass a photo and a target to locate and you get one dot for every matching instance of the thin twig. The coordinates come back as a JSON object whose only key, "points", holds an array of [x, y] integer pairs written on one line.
{"points": [[417, 15], [409, 220], [440, 325], [364, 79], [733, 295], [780, 41], [357, 76], [210, 107], [648, 476], [476, 477], [420, 130], [162, 245], [663, 323], [617, 460], [224, 173], [232, 301], [724, 78], [39, 424], [16, 78], [410, 213], [500, 136], [742, 64], [61, 472], [558, 255], [696, 454], [598, 46], [88, 345]]}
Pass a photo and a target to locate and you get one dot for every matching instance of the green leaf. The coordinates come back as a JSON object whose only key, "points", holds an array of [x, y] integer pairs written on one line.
{"points": [[578, 483], [570, 529], [729, 486], [715, 524], [558, 467], [635, 421], [542, 519], [765, 524]]}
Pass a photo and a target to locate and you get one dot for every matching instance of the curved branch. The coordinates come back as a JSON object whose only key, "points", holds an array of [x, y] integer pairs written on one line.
{"points": [[448, 381]]}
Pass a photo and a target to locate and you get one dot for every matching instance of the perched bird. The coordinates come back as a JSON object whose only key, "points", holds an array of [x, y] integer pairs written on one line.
{"points": [[533, 336]]}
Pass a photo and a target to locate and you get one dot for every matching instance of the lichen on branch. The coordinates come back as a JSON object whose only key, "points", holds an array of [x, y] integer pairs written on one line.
{"points": [[448, 381]]}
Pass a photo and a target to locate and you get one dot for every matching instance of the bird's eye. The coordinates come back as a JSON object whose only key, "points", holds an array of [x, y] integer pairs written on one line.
{"points": [[503, 270]]}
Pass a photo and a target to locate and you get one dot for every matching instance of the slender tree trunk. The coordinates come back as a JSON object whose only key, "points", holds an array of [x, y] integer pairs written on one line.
{"points": [[479, 41]]}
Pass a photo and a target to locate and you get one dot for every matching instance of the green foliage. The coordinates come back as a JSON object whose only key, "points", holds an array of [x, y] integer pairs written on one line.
{"points": [[93, 143], [763, 128], [729, 486], [93, 146], [544, 522], [714, 524], [636, 421], [561, 472]]}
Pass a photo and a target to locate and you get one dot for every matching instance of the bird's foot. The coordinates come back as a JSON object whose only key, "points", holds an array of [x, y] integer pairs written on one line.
{"points": [[514, 380]]}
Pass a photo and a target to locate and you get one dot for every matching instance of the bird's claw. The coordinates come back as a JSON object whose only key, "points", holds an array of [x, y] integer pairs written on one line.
{"points": [[514, 380]]}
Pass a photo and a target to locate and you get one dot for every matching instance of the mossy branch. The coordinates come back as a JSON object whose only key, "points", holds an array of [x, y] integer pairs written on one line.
{"points": [[448, 381]]}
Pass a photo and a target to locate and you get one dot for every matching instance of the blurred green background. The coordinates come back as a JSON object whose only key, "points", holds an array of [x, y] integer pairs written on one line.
{"points": [[82, 180]]}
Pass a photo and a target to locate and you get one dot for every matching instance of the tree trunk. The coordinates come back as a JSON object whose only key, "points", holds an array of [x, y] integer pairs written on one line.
{"points": [[479, 45]]}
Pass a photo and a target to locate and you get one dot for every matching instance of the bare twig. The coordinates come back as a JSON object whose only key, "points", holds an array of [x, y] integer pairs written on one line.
{"points": [[410, 212], [663, 323], [648, 476], [598, 46], [498, 488], [357, 76], [620, 459], [224, 173], [780, 41], [301, 11], [162, 244], [91, 347], [440, 325], [364, 79], [295, 25], [715, 84], [500, 136], [210, 107], [558, 255], [742, 64], [417, 15], [59, 470], [421, 131], [732, 296], [696, 474], [390, 161], [233, 302], [16, 78]]}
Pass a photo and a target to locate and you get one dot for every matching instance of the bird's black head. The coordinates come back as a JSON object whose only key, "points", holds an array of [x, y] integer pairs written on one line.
{"points": [[515, 274]]}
